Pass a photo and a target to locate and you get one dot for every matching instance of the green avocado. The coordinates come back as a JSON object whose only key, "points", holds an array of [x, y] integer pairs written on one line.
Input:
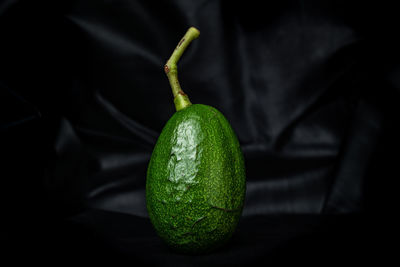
{"points": [[196, 183]]}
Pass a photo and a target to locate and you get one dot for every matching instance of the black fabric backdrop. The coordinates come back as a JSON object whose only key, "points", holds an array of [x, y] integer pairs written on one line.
{"points": [[310, 87]]}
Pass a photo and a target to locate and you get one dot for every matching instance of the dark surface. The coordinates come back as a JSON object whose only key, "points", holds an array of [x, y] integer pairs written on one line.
{"points": [[311, 89], [97, 236]]}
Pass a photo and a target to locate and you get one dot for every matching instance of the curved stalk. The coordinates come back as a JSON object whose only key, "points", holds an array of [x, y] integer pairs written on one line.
{"points": [[181, 100]]}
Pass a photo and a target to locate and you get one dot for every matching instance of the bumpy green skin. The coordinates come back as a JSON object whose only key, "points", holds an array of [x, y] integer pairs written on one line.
{"points": [[196, 181]]}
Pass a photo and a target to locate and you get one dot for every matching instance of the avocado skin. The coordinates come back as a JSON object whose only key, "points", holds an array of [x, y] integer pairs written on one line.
{"points": [[196, 183]]}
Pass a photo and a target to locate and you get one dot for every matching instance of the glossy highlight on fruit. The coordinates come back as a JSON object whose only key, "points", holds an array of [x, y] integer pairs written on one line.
{"points": [[195, 184]]}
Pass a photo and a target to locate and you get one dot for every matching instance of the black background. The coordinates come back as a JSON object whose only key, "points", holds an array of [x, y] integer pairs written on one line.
{"points": [[310, 87]]}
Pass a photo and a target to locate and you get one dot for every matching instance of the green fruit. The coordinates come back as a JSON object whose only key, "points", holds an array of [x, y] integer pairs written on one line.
{"points": [[196, 184]]}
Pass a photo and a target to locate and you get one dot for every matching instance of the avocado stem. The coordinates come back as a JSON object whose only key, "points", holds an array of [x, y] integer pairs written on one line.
{"points": [[181, 100]]}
